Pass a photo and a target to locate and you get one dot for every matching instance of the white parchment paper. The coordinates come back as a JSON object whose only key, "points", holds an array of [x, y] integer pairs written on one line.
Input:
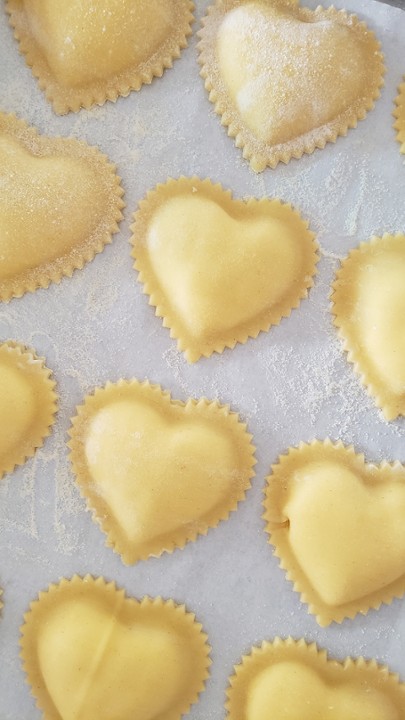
{"points": [[290, 384]]}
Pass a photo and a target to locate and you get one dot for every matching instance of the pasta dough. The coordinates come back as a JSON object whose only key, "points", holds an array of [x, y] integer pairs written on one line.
{"points": [[86, 52], [89, 652], [157, 472], [284, 79], [337, 526], [220, 270]]}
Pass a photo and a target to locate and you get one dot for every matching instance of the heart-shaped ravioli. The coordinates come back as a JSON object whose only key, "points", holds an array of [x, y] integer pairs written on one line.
{"points": [[220, 270], [27, 404], [89, 652], [85, 52], [288, 679], [399, 114], [157, 472], [287, 79], [60, 202], [337, 526], [369, 309]]}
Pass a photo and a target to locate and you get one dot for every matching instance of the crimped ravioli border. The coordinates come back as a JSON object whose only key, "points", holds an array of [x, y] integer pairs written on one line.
{"points": [[88, 586], [64, 265], [16, 355], [389, 403], [309, 655], [65, 99], [399, 115], [259, 153], [212, 411], [277, 484], [192, 347]]}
